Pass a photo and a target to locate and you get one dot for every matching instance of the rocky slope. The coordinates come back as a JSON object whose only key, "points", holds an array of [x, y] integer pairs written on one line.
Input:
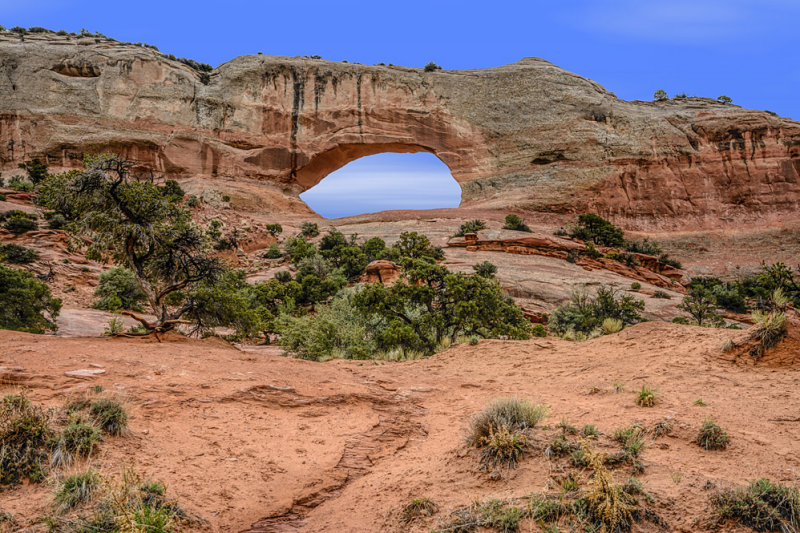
{"points": [[527, 135]]}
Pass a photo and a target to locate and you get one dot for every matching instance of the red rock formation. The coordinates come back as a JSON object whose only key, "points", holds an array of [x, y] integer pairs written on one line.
{"points": [[381, 271], [526, 135]]}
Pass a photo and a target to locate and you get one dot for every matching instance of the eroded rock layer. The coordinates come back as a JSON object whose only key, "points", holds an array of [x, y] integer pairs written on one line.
{"points": [[528, 135]]}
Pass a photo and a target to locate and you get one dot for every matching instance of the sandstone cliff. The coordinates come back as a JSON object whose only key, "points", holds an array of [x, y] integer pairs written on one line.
{"points": [[528, 135]]}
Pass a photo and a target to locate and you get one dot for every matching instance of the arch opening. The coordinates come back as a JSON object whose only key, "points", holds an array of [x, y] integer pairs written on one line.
{"points": [[382, 182]]}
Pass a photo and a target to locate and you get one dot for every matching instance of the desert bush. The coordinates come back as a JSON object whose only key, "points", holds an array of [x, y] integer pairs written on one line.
{"points": [[14, 253], [309, 229], [114, 326], [701, 305], [712, 437], [410, 245], [20, 184], [661, 294], [635, 286], [769, 330], [473, 341], [515, 222], [724, 99], [56, 221], [273, 252], [26, 300], [35, 169], [79, 438], [646, 247], [591, 227], [584, 315], [119, 289], [418, 508], [609, 326], [25, 437], [431, 67], [19, 225], [274, 229], [590, 251], [631, 439], [512, 413], [485, 269], [660, 95], [647, 397], [109, 415], [76, 489], [538, 330], [628, 259], [503, 447], [606, 502], [470, 226], [336, 330], [762, 506], [193, 201]]}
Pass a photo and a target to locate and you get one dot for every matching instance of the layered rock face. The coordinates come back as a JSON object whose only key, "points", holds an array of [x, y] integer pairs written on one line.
{"points": [[528, 135]]}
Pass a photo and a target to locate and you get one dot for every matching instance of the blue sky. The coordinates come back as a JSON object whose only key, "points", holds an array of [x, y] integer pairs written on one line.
{"points": [[744, 49]]}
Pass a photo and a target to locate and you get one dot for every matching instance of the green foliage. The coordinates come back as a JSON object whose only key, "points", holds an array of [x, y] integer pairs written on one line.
{"points": [[118, 289], [16, 254], [193, 201], [76, 489], [79, 437], [724, 99], [336, 330], [591, 227], [410, 245], [430, 304], [309, 229], [660, 95], [274, 251], [20, 224], [635, 286], [432, 67], [646, 397], [646, 247], [20, 184], [661, 294], [586, 315], [133, 222], [515, 222], [762, 506], [274, 229], [470, 226], [712, 437], [502, 447], [25, 437], [591, 252], [56, 221], [297, 248], [343, 254], [109, 415], [628, 259], [418, 508], [701, 304], [485, 269], [538, 330], [25, 301], [36, 170], [769, 330], [515, 414], [172, 190]]}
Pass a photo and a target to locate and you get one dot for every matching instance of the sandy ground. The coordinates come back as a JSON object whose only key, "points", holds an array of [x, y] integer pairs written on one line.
{"points": [[254, 441]]}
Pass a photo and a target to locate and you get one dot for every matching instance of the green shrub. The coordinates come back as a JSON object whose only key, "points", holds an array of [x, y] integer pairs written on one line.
{"points": [[274, 229], [701, 305], [485, 269], [515, 222], [3, 197], [273, 252], [25, 300], [762, 506], [647, 397], [57, 221], [538, 330], [226, 198], [712, 437], [635, 286], [432, 67], [646, 247], [769, 330], [660, 95], [591, 227], [309, 229], [109, 415], [502, 447], [591, 252], [624, 257], [14, 253], [20, 225], [76, 489], [470, 226], [80, 437], [724, 99], [20, 184], [25, 437], [585, 315], [512, 413], [193, 201], [118, 289], [36, 170], [410, 245], [661, 294], [631, 439]]}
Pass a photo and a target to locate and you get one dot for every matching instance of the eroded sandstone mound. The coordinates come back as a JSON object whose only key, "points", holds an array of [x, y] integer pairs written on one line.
{"points": [[529, 134]]}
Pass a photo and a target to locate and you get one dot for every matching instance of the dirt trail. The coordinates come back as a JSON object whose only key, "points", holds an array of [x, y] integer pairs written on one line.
{"points": [[253, 441]]}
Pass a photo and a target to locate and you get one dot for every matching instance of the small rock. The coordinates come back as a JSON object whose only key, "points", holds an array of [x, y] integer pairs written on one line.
{"points": [[84, 372]]}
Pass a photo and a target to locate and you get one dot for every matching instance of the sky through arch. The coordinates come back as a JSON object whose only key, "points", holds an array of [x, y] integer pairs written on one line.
{"points": [[383, 182]]}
